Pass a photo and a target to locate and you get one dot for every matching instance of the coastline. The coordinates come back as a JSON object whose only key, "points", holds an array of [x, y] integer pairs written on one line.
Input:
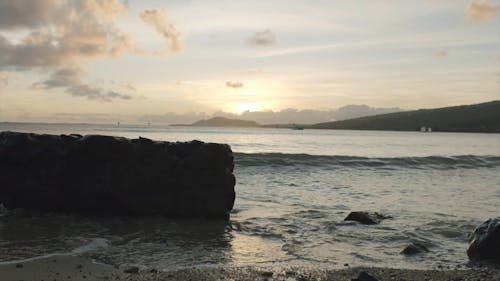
{"points": [[67, 267]]}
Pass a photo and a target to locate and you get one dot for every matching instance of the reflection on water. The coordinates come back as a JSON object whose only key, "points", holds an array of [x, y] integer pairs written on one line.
{"points": [[250, 250], [151, 241]]}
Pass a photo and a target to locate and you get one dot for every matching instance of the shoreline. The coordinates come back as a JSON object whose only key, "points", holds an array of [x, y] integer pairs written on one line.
{"points": [[68, 267]]}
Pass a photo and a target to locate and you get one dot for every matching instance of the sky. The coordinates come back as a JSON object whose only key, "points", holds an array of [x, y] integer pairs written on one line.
{"points": [[134, 61]]}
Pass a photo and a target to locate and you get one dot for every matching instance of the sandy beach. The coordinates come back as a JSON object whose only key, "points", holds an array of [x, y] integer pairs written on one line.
{"points": [[62, 267]]}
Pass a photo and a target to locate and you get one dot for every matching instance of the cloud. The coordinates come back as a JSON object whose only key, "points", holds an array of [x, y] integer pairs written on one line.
{"points": [[159, 21], [479, 11], [440, 53], [61, 78], [70, 79], [24, 13], [263, 38], [286, 116], [58, 33], [129, 87], [61, 32], [95, 93], [234, 84]]}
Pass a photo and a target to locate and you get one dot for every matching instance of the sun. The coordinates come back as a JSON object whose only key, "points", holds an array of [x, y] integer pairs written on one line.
{"points": [[242, 107]]}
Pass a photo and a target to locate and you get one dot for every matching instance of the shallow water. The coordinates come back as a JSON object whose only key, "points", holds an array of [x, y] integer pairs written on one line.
{"points": [[294, 188]]}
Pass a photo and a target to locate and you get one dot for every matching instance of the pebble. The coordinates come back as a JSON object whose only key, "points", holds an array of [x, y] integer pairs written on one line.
{"points": [[267, 273]]}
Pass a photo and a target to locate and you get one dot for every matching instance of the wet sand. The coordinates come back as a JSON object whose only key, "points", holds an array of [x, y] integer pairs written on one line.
{"points": [[58, 268]]}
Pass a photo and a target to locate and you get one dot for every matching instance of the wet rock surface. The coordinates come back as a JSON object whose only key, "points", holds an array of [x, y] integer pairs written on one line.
{"points": [[414, 249], [114, 175], [484, 242], [366, 217]]}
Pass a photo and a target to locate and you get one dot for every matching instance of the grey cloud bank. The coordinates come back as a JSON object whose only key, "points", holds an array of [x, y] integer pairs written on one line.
{"points": [[287, 116], [70, 79], [24, 13], [62, 36]]}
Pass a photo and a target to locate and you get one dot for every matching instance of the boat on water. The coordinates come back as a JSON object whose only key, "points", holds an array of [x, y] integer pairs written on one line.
{"points": [[425, 129]]}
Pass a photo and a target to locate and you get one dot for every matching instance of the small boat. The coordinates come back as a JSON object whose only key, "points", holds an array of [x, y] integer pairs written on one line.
{"points": [[296, 127], [425, 129]]}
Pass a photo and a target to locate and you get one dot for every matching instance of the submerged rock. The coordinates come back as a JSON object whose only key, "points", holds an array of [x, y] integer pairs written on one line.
{"points": [[414, 249], [484, 242], [104, 174], [366, 217], [131, 269], [363, 276]]}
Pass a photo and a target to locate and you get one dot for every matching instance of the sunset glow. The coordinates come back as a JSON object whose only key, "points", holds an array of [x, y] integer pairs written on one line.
{"points": [[132, 60], [251, 107]]}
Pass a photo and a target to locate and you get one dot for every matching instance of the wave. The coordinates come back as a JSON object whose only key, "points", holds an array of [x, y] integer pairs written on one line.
{"points": [[429, 162]]}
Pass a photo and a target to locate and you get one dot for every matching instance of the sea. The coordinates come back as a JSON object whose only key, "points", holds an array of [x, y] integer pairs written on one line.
{"points": [[293, 190]]}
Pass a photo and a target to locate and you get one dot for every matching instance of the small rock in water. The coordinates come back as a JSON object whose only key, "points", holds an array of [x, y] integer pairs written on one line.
{"points": [[131, 269], [414, 248], [267, 274], [484, 242], [366, 217], [363, 276]]}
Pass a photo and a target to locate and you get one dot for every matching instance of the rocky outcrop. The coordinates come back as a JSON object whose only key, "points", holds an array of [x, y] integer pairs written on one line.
{"points": [[366, 217], [484, 242], [113, 175]]}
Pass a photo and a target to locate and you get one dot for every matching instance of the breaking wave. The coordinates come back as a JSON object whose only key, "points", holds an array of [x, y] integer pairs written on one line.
{"points": [[429, 162]]}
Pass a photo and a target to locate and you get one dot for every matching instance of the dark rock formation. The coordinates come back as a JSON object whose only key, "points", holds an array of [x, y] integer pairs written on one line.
{"points": [[484, 242], [104, 174], [414, 249], [366, 217]]}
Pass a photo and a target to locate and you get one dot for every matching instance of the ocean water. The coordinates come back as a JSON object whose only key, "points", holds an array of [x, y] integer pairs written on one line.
{"points": [[294, 189]]}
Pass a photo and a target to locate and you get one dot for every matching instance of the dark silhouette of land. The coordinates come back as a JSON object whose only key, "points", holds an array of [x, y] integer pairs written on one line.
{"points": [[483, 117], [223, 122]]}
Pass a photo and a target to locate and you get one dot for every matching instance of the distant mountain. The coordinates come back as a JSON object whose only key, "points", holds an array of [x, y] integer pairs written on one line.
{"points": [[483, 117], [355, 111], [224, 122]]}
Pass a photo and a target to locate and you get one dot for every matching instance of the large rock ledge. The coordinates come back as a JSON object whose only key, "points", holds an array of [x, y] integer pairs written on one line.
{"points": [[114, 175]]}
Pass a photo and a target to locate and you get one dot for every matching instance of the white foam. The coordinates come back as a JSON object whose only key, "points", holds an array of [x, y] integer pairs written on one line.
{"points": [[94, 244]]}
